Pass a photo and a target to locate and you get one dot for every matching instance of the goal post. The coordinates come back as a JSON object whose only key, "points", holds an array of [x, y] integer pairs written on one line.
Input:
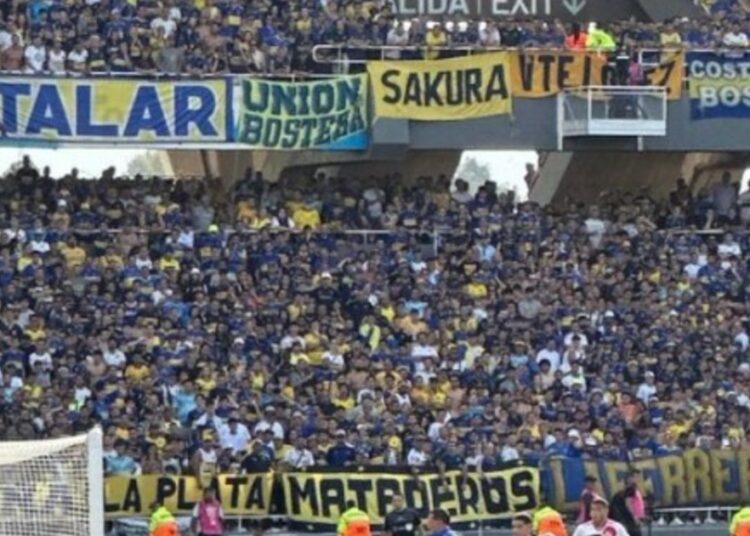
{"points": [[52, 487]]}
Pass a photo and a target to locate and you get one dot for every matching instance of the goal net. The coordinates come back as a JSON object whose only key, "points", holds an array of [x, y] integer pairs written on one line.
{"points": [[52, 487]]}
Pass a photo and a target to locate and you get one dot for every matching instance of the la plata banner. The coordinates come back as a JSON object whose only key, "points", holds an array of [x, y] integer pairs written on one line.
{"points": [[440, 90], [692, 477], [240, 495], [719, 84], [56, 112], [315, 500], [326, 114], [537, 74]]}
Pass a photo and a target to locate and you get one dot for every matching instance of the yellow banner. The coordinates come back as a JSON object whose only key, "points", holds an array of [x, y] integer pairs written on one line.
{"points": [[240, 495], [695, 476], [541, 74], [669, 73], [320, 498], [442, 90]]}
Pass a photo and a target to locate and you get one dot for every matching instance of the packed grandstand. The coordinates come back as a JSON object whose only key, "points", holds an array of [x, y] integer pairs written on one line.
{"points": [[233, 36], [459, 330], [288, 343]]}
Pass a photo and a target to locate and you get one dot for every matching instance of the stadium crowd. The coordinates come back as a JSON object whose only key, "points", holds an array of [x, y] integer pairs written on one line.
{"points": [[462, 330], [200, 37]]}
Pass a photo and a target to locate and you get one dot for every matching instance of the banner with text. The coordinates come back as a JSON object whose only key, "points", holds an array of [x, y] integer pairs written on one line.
{"points": [[441, 90], [668, 72], [719, 84], [53, 112], [316, 499], [542, 74], [693, 477], [240, 495], [325, 114]]}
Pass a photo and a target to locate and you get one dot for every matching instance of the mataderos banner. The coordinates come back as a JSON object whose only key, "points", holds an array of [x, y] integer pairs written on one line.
{"points": [[719, 84], [246, 495], [541, 74], [54, 112], [693, 477], [441, 90], [316, 499], [326, 114]]}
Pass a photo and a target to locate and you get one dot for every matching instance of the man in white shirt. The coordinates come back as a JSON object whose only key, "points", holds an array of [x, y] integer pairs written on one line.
{"points": [[735, 38], [419, 457], [78, 57], [269, 422], [550, 353], [41, 356], [299, 456], [113, 356], [36, 56], [234, 435], [164, 21], [647, 389], [729, 247], [600, 524], [6, 38], [397, 37]]}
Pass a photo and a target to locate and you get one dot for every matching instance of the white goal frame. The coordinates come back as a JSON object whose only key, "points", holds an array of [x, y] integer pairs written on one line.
{"points": [[14, 452]]}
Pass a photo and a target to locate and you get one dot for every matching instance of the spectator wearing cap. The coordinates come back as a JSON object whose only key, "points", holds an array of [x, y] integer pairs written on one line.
{"points": [[341, 453], [258, 460], [438, 523]]}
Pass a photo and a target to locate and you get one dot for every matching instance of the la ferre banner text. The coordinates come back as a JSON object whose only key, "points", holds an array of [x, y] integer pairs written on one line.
{"points": [[323, 114], [719, 84], [441, 90], [114, 111], [317, 499], [537, 74], [244, 495], [693, 477]]}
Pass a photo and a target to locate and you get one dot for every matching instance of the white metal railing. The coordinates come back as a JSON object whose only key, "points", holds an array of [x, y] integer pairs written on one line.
{"points": [[611, 111], [156, 75]]}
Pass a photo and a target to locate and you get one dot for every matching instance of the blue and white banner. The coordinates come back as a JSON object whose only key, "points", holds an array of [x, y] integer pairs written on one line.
{"points": [[719, 84], [137, 112]]}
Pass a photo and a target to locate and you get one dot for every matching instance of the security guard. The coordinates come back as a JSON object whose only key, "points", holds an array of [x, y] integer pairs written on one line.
{"points": [[162, 522], [353, 522], [549, 522], [740, 523]]}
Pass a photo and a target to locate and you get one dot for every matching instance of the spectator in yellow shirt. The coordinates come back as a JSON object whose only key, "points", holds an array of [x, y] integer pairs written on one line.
{"points": [[73, 254], [435, 38], [670, 37], [306, 216]]}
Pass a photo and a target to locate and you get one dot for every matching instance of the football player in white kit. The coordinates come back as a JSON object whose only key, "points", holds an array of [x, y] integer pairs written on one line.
{"points": [[600, 524]]}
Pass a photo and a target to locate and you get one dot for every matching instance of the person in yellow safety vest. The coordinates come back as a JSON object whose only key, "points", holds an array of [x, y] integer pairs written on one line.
{"points": [[162, 522], [549, 522], [740, 523], [599, 39], [353, 522]]}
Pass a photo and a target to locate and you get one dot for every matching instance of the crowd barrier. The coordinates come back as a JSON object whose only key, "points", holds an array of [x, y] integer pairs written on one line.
{"points": [[312, 500]]}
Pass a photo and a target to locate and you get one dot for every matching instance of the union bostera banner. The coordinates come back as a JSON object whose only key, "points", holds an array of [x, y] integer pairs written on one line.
{"points": [[55, 112], [240, 495], [326, 114], [691, 477], [536, 74], [719, 84], [442, 90], [315, 500]]}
